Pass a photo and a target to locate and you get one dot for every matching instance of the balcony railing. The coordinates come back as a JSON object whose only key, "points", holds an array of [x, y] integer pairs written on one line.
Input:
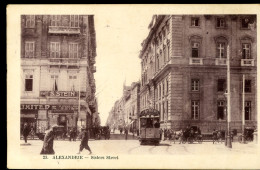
{"points": [[221, 61], [196, 61], [63, 61], [63, 30], [247, 62]]}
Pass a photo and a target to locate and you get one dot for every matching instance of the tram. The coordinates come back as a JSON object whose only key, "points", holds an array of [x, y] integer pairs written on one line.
{"points": [[149, 126]]}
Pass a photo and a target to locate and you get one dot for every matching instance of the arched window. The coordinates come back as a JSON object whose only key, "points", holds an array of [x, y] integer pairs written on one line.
{"points": [[195, 42], [221, 46]]}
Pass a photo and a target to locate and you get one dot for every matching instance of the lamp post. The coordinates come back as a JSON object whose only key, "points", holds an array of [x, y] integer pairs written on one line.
{"points": [[243, 111], [229, 144]]}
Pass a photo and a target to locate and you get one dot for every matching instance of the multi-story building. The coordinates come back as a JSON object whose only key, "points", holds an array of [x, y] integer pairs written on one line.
{"points": [[135, 106], [125, 111], [57, 70], [184, 69]]}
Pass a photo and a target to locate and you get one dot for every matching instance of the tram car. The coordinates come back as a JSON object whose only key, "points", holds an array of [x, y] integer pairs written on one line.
{"points": [[149, 126]]}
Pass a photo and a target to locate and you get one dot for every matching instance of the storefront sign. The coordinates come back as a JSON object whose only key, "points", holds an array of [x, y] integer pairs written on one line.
{"points": [[48, 107], [61, 94]]}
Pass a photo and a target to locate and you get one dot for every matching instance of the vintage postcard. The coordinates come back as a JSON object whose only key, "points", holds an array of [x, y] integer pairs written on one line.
{"points": [[132, 86]]}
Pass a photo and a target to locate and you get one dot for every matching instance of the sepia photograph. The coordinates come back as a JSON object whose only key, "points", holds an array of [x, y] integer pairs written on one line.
{"points": [[132, 86]]}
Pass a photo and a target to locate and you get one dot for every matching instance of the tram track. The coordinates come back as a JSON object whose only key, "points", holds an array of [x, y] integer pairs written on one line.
{"points": [[131, 149]]}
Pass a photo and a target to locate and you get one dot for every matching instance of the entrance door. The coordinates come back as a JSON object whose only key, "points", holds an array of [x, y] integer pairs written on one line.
{"points": [[62, 121]]}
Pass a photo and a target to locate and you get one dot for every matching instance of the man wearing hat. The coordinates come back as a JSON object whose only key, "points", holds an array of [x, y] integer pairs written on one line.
{"points": [[84, 140], [48, 141]]}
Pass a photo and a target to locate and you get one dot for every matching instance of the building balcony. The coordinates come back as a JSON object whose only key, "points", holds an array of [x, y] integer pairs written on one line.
{"points": [[220, 61], [64, 61], [94, 69], [63, 30], [247, 62], [92, 60], [196, 61]]}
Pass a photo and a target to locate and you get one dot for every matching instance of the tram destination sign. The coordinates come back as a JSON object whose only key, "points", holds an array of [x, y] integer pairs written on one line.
{"points": [[61, 94], [48, 107]]}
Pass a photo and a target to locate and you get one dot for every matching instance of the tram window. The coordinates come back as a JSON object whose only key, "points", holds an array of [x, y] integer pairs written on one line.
{"points": [[143, 123], [156, 123], [149, 123]]}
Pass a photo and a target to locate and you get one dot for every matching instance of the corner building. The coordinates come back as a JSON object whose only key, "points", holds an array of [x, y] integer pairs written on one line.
{"points": [[57, 71], [184, 70]]}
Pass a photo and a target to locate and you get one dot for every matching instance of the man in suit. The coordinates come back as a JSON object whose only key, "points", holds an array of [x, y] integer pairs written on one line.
{"points": [[84, 140], [26, 131]]}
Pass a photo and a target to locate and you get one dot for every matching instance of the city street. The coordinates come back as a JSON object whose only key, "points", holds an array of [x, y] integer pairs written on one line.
{"points": [[132, 146]]}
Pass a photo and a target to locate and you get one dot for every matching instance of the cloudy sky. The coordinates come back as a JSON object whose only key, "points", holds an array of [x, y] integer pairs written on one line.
{"points": [[119, 39]]}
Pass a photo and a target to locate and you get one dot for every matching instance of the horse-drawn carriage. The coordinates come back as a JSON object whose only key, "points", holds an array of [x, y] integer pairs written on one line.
{"points": [[102, 131], [190, 135]]}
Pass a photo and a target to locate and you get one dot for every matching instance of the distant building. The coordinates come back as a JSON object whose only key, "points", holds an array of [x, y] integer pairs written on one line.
{"points": [[57, 70], [184, 71], [125, 111]]}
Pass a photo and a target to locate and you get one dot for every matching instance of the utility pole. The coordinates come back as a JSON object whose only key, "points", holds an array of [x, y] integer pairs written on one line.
{"points": [[243, 111], [229, 143], [78, 113]]}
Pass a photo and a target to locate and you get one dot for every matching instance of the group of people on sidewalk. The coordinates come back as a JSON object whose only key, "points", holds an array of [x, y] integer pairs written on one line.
{"points": [[49, 140]]}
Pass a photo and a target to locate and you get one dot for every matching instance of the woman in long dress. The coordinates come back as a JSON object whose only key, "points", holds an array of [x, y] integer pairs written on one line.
{"points": [[48, 141]]}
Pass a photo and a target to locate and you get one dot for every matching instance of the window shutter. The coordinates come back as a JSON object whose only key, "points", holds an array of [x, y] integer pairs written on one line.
{"points": [[76, 20], [58, 20]]}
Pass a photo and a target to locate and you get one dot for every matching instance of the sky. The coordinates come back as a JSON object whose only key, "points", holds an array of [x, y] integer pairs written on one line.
{"points": [[118, 39]]}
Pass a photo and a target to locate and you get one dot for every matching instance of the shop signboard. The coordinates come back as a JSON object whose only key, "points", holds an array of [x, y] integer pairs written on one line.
{"points": [[61, 94], [49, 107]]}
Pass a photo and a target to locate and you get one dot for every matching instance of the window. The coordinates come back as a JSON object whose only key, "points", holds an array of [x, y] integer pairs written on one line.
{"points": [[247, 86], [221, 50], [195, 110], [221, 110], [158, 64], [221, 23], [195, 85], [163, 111], [160, 110], [195, 22], [245, 23], [72, 81], [29, 50], [55, 49], [195, 50], [164, 54], [54, 82], [221, 85], [164, 33], [167, 86], [30, 21], [73, 50], [166, 109], [248, 110], [167, 27], [168, 52], [74, 21], [160, 91], [55, 20], [163, 91], [246, 51], [29, 83]]}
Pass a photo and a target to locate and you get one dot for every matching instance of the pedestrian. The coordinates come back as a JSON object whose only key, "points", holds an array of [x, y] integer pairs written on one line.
{"points": [[26, 131], [74, 133], [126, 133], [48, 141], [121, 130], [71, 133], [84, 140], [32, 133]]}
